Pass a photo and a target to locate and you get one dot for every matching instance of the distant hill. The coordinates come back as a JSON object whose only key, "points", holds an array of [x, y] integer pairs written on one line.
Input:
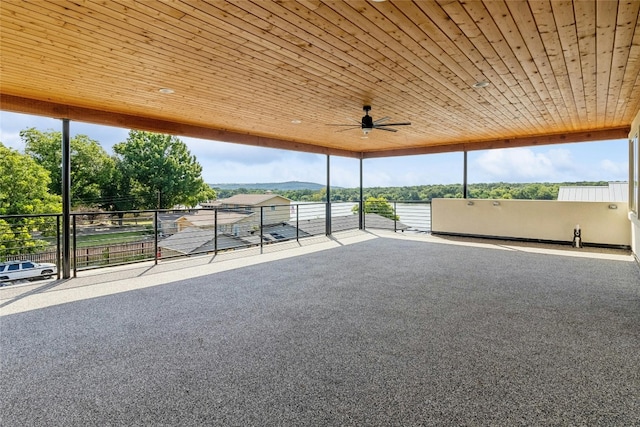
{"points": [[274, 186]]}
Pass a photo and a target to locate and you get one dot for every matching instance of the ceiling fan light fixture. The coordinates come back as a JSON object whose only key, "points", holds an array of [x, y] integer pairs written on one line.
{"points": [[479, 85]]}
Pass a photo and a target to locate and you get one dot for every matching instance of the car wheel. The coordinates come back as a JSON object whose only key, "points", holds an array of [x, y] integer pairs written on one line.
{"points": [[47, 274]]}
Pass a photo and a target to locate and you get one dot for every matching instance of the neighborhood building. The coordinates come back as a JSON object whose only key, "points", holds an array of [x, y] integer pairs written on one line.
{"points": [[614, 192], [232, 222]]}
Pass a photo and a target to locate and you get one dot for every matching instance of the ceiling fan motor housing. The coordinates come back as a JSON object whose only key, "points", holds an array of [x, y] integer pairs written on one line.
{"points": [[367, 120]]}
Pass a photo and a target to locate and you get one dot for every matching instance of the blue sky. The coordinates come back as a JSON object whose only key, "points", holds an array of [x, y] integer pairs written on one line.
{"points": [[234, 163]]}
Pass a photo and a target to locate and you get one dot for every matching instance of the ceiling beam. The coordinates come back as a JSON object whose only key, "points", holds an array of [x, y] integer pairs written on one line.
{"points": [[530, 141], [60, 111]]}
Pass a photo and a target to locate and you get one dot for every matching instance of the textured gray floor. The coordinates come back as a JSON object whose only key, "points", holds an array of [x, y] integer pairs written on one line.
{"points": [[384, 332]]}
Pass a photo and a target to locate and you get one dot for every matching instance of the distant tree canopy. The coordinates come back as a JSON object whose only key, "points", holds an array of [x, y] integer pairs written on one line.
{"points": [[23, 191], [147, 171], [378, 205], [92, 168], [499, 190], [159, 171]]}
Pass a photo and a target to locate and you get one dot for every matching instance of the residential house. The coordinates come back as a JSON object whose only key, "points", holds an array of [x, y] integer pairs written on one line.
{"points": [[274, 208]]}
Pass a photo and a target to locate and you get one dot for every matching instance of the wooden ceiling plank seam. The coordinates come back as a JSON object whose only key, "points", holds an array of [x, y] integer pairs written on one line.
{"points": [[322, 74], [631, 82], [219, 46], [69, 67], [317, 41], [450, 36], [380, 73], [381, 77], [478, 39], [453, 83], [433, 89], [498, 10], [96, 90], [294, 53], [606, 14], [626, 22], [564, 17], [319, 56], [325, 49], [464, 71], [492, 33], [633, 102], [375, 35], [408, 81], [96, 45], [526, 24], [585, 12], [550, 36]]}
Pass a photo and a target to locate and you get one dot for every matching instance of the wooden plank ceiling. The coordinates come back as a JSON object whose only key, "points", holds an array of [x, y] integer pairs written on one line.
{"points": [[276, 73]]}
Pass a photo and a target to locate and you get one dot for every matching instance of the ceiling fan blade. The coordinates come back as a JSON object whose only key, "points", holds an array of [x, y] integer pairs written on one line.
{"points": [[350, 124], [395, 124], [387, 129], [384, 119], [352, 127]]}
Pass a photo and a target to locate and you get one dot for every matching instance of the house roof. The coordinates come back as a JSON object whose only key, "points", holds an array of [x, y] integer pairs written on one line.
{"points": [[614, 192], [187, 240], [317, 226], [207, 218], [278, 74], [251, 199], [197, 240]]}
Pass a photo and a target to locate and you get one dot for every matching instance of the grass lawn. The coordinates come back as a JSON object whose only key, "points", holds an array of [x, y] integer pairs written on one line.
{"points": [[107, 238]]}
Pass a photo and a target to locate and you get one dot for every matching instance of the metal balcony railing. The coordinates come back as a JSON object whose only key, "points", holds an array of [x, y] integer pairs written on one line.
{"points": [[100, 239]]}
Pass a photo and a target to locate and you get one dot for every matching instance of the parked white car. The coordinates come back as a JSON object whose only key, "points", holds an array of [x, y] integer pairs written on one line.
{"points": [[17, 270]]}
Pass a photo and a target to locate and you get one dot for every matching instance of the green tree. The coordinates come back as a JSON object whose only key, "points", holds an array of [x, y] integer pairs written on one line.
{"points": [[23, 191], [160, 171], [378, 205], [92, 168]]}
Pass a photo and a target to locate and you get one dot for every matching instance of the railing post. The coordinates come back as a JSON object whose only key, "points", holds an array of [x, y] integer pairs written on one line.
{"points": [[215, 231], [298, 223], [155, 237], [66, 199], [328, 206], [261, 227], [395, 216], [58, 249], [361, 201], [75, 250]]}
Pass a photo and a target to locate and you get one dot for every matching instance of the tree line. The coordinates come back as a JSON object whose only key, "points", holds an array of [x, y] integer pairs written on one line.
{"points": [[500, 190], [147, 171]]}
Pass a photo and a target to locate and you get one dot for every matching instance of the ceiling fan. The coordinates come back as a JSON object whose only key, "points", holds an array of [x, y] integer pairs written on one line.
{"points": [[368, 124]]}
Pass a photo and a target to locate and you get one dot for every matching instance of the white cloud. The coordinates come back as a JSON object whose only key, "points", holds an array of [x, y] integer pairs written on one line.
{"points": [[615, 169], [523, 165]]}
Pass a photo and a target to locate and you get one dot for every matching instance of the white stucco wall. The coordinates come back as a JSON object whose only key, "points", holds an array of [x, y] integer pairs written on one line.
{"points": [[533, 219]]}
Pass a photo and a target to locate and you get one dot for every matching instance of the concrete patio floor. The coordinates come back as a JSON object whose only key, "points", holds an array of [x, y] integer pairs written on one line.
{"points": [[361, 328]]}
